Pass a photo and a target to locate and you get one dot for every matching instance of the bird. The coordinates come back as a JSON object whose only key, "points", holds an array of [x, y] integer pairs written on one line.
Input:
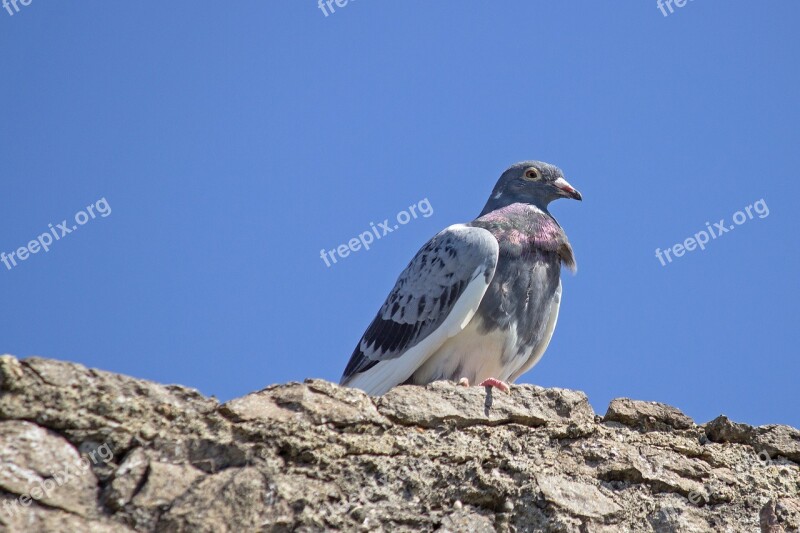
{"points": [[478, 304]]}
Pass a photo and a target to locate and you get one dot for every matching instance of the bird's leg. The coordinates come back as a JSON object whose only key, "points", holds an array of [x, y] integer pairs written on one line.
{"points": [[494, 382], [463, 382]]}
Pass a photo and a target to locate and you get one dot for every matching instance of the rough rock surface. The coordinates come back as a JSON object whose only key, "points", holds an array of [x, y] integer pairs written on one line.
{"points": [[85, 450]]}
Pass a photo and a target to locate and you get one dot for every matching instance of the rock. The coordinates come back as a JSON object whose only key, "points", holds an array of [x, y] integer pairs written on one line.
{"points": [[314, 456], [770, 441], [787, 512], [581, 499], [768, 520], [315, 402], [466, 521], [646, 415], [43, 467], [443, 403]]}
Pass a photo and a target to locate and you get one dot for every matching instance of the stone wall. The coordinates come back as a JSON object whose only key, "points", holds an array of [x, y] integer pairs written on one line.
{"points": [[86, 450]]}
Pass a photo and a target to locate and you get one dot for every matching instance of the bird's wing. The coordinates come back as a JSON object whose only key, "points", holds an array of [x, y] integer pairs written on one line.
{"points": [[434, 298]]}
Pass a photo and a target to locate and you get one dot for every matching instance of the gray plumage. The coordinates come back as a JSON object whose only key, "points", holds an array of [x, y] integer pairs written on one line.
{"points": [[479, 300]]}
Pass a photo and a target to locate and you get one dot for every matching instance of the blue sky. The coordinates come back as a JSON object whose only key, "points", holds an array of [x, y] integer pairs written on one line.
{"points": [[232, 143]]}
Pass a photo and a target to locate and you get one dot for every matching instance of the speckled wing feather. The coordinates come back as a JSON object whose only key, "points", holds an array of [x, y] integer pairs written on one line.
{"points": [[433, 299]]}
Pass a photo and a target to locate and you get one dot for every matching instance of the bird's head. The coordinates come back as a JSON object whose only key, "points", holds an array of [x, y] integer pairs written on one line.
{"points": [[530, 182]]}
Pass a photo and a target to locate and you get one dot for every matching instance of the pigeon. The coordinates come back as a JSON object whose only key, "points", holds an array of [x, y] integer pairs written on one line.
{"points": [[479, 302]]}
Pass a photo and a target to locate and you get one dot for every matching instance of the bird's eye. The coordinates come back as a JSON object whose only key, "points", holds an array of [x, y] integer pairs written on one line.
{"points": [[532, 174]]}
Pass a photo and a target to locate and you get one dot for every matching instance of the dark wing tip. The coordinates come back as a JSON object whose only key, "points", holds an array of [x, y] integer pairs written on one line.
{"points": [[358, 363], [382, 336]]}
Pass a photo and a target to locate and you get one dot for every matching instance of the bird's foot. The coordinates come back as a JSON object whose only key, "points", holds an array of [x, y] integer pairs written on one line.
{"points": [[496, 383], [463, 382]]}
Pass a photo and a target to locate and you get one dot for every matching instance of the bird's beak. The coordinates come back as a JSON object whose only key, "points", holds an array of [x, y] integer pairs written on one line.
{"points": [[567, 190]]}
